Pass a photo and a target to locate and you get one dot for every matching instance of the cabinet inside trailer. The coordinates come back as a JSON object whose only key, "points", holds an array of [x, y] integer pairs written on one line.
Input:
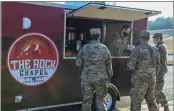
{"points": [[77, 33]]}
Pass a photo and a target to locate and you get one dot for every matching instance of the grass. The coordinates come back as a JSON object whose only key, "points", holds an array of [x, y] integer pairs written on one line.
{"points": [[170, 61], [169, 43]]}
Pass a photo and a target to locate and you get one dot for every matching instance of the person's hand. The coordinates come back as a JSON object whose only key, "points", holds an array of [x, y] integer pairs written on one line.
{"points": [[131, 47]]}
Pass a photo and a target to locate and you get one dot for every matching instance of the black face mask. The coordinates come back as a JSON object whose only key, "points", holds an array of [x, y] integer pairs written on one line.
{"points": [[137, 43], [125, 34]]}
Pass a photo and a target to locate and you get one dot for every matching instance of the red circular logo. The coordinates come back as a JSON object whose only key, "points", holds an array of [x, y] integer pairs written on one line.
{"points": [[32, 59]]}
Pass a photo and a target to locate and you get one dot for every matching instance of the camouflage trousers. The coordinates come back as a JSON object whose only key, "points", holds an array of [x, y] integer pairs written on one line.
{"points": [[139, 91], [88, 88], [160, 97]]}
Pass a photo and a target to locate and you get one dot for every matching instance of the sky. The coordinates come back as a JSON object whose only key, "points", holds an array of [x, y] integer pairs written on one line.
{"points": [[165, 7]]}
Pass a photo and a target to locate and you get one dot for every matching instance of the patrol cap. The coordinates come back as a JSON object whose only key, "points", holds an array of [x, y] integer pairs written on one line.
{"points": [[157, 35], [144, 33], [95, 31]]}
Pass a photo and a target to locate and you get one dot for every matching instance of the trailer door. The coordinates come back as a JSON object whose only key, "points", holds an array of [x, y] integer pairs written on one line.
{"points": [[109, 12]]}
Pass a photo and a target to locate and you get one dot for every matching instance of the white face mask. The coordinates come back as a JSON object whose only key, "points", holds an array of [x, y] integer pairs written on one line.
{"points": [[154, 41]]}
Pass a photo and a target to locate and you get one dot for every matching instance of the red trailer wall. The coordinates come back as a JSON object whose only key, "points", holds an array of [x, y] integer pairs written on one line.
{"points": [[50, 22], [138, 26], [60, 88], [141, 24], [44, 19]]}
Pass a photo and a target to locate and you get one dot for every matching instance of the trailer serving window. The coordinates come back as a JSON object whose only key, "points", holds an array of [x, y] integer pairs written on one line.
{"points": [[109, 18]]}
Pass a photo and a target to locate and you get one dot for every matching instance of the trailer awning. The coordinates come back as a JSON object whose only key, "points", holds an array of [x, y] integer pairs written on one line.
{"points": [[100, 11]]}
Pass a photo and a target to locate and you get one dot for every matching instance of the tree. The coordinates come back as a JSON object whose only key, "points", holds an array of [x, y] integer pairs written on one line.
{"points": [[161, 23]]}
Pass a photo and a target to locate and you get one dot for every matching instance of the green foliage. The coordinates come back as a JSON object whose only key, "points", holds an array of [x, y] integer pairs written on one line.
{"points": [[161, 23]]}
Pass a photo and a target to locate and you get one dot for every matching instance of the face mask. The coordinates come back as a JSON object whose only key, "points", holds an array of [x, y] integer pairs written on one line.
{"points": [[141, 41], [137, 43], [154, 41]]}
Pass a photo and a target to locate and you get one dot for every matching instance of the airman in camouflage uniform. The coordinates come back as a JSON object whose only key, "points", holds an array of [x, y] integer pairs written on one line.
{"points": [[161, 98], [96, 61], [120, 42], [144, 62]]}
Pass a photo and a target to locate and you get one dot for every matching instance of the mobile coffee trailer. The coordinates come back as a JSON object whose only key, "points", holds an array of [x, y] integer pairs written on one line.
{"points": [[40, 42]]}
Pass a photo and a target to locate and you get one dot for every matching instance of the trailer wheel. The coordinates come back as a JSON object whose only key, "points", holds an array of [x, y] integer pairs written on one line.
{"points": [[110, 99]]}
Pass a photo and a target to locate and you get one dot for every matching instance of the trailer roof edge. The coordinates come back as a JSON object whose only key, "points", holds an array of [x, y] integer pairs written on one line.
{"points": [[51, 4], [71, 7]]}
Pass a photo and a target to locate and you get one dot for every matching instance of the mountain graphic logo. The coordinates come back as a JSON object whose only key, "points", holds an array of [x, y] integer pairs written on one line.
{"points": [[32, 59]]}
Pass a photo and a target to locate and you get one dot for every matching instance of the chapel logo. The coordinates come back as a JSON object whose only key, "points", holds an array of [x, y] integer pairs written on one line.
{"points": [[32, 59]]}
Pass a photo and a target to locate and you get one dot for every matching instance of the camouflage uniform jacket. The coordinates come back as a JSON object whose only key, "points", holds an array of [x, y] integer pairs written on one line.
{"points": [[144, 60], [96, 61], [163, 57], [119, 44]]}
